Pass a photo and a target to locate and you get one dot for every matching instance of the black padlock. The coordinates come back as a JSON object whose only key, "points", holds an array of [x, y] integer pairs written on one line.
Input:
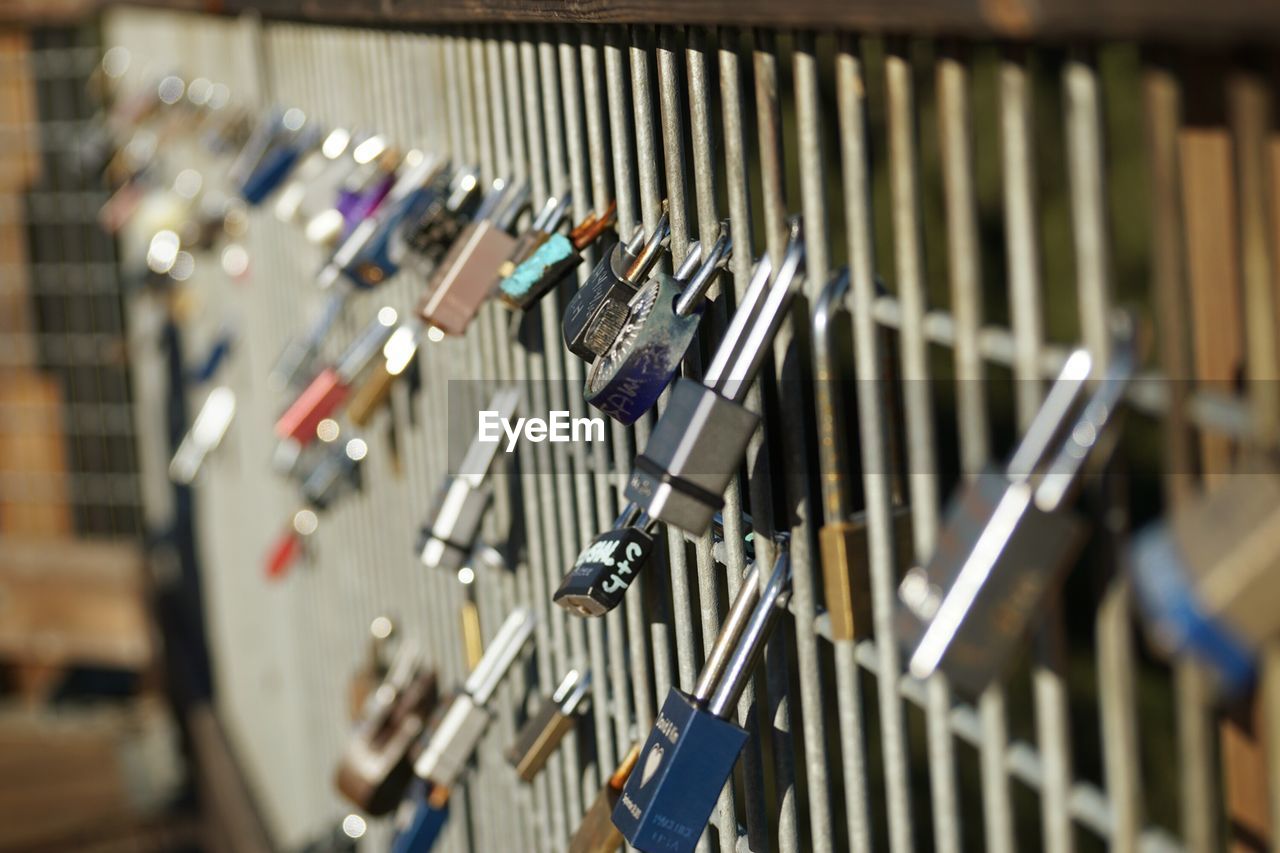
{"points": [[605, 568]]}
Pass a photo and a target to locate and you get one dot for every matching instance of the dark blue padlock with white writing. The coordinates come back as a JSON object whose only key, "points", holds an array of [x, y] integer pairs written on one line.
{"points": [[420, 818], [627, 379], [691, 752], [270, 155], [607, 566]]}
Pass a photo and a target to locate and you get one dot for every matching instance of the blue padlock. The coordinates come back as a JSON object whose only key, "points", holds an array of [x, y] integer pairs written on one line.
{"points": [[627, 379], [270, 155], [375, 250], [691, 752], [420, 818], [1205, 578]]}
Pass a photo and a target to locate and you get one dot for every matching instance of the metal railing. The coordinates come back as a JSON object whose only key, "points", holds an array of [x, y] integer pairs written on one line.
{"points": [[973, 181]]}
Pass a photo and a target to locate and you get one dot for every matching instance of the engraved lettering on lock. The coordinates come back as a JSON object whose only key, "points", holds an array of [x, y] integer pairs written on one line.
{"points": [[672, 826], [669, 729], [630, 806]]}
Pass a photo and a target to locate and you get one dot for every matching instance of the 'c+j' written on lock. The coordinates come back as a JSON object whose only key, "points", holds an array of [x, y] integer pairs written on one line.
{"points": [[557, 427]]}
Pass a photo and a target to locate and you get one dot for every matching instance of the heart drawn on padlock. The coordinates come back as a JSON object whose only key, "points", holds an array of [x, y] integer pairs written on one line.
{"points": [[651, 764]]}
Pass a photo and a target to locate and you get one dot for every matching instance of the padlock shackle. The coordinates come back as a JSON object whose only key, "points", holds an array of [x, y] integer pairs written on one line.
{"points": [[367, 345], [633, 515], [571, 691], [589, 229], [743, 349], [692, 259], [748, 648], [464, 182], [735, 621], [552, 211], [500, 654], [1088, 431], [833, 450], [1037, 441], [696, 289], [645, 258]]}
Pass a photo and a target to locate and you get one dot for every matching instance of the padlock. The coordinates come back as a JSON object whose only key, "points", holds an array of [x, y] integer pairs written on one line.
{"points": [[205, 435], [1008, 534], [697, 445], [428, 237], [214, 358], [331, 386], [693, 747], [607, 566], [597, 311], [540, 736], [291, 544], [421, 818], [397, 354], [843, 539], [269, 156], [373, 253], [453, 525], [371, 235], [627, 379], [611, 561], [362, 692], [450, 746], [376, 762], [1205, 578], [544, 224], [362, 193], [295, 367], [596, 833], [335, 474], [554, 257], [466, 276], [317, 178]]}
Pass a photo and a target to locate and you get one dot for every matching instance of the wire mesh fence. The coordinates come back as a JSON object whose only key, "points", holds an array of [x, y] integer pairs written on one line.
{"points": [[989, 203]]}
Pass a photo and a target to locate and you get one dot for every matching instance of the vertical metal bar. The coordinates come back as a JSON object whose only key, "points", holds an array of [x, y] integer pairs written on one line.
{"points": [[813, 191], [918, 406], [773, 198], [965, 269], [704, 171], [1022, 250], [737, 159], [1115, 645], [1249, 112]]}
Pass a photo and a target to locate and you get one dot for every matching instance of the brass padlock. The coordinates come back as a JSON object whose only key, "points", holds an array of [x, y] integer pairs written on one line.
{"points": [[541, 735], [596, 833]]}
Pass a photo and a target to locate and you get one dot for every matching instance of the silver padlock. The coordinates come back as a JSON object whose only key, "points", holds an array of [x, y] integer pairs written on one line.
{"points": [[205, 435], [316, 180], [446, 753], [453, 524], [698, 444], [1008, 535], [662, 320]]}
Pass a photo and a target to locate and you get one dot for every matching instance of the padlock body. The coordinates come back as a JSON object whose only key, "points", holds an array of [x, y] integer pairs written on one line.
{"points": [[683, 766], [692, 455], [318, 401], [335, 475], [596, 833], [997, 556], [453, 524], [269, 173], [596, 313], [424, 825], [465, 277], [380, 257], [846, 570], [452, 743], [537, 739], [1207, 579], [626, 380], [540, 272], [604, 571]]}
